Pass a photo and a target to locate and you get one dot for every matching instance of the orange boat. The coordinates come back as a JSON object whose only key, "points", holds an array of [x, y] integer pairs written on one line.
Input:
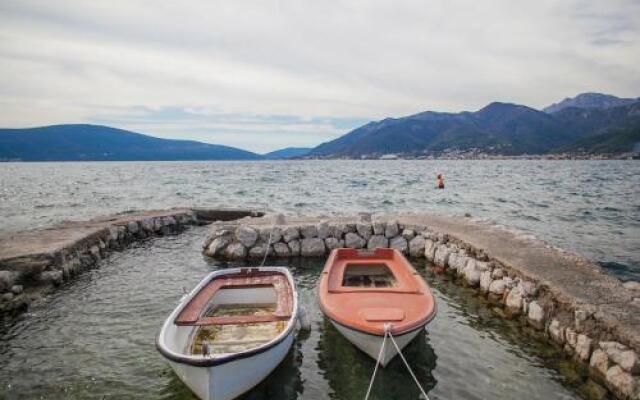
{"points": [[364, 292]]}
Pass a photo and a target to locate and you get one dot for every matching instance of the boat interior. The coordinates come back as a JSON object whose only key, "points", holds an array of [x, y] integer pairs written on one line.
{"points": [[235, 313], [368, 275]]}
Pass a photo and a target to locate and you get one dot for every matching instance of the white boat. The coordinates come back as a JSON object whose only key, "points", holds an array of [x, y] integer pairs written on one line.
{"points": [[231, 330], [370, 294]]}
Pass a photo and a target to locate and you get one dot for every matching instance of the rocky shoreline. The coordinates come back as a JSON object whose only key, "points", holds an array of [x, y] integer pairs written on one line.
{"points": [[35, 262], [593, 316]]}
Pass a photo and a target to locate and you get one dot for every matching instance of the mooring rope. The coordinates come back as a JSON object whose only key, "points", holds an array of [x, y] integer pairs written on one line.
{"points": [[266, 252], [387, 332]]}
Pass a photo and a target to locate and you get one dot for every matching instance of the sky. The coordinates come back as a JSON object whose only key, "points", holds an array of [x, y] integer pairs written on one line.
{"points": [[262, 75]]}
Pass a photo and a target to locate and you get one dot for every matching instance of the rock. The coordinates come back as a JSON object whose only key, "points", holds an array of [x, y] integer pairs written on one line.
{"points": [[379, 228], [599, 361], [416, 246], [113, 234], [497, 273], [441, 257], [7, 278], [312, 247], [333, 243], [514, 301], [169, 221], [246, 235], [621, 355], [281, 249], [536, 313], [157, 224], [430, 250], [583, 347], [323, 230], [17, 289], [364, 230], [218, 245], [483, 265], [349, 228], [258, 251], [580, 316], [336, 231], [527, 289], [309, 231], [7, 296], [54, 277], [294, 245], [353, 240], [236, 251], [459, 262], [399, 243], [497, 287], [472, 274], [377, 241], [290, 233], [408, 234], [95, 252], [392, 229], [485, 281], [509, 282], [147, 225], [571, 337], [632, 285], [274, 232], [133, 227], [556, 332], [620, 382]]}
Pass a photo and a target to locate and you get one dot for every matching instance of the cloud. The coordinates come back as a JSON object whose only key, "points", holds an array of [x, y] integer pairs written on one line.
{"points": [[266, 74]]}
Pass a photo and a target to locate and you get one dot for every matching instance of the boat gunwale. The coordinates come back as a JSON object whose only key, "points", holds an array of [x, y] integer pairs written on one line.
{"points": [[198, 361]]}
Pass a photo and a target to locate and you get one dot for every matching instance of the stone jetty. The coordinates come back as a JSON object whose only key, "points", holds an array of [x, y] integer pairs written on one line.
{"points": [[34, 262], [593, 316]]}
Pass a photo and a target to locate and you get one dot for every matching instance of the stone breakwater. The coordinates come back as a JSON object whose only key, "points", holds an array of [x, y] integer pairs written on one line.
{"points": [[33, 262], [594, 317]]}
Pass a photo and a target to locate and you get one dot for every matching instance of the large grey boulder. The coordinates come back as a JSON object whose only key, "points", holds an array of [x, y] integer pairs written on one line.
{"points": [[354, 241], [364, 230], [599, 361], [379, 228], [497, 287], [217, 245], [336, 231], [309, 231], [472, 274], [416, 246], [290, 233], [54, 277], [133, 227], [323, 230], [408, 234], [399, 243], [333, 243], [392, 229], [282, 250], [235, 251], [294, 245], [621, 355], [621, 382], [312, 247], [246, 235], [377, 241], [274, 232], [259, 250], [430, 250], [147, 225], [536, 313], [7, 279], [441, 257]]}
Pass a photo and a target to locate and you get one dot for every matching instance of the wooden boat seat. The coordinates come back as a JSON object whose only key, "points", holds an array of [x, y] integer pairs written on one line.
{"points": [[192, 314]]}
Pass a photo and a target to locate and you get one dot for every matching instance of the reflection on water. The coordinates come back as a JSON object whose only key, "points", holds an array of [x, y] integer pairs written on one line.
{"points": [[94, 338]]}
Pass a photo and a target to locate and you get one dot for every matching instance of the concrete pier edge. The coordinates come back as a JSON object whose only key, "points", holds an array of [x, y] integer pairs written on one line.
{"points": [[35, 262], [593, 316]]}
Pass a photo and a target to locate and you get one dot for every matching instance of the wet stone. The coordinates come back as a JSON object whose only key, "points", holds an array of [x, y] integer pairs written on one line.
{"points": [[235, 251], [354, 241], [275, 233], [290, 233], [377, 241], [294, 246], [309, 231], [416, 246], [282, 250], [333, 243], [312, 247], [399, 243]]}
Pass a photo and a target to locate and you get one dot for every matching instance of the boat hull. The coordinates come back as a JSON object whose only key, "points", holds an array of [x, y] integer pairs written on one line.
{"points": [[370, 344], [222, 382]]}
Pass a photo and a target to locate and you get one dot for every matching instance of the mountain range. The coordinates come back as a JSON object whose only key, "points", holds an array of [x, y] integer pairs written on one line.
{"points": [[589, 123]]}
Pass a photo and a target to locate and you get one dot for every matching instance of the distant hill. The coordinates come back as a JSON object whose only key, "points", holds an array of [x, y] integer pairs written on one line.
{"points": [[589, 100], [498, 128], [102, 143], [289, 152]]}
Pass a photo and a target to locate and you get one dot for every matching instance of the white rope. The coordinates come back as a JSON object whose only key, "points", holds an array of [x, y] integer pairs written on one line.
{"points": [[408, 367], [375, 370], [266, 252], [387, 332]]}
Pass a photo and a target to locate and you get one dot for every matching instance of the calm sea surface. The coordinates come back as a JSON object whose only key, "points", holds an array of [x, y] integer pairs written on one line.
{"points": [[94, 338], [592, 207]]}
